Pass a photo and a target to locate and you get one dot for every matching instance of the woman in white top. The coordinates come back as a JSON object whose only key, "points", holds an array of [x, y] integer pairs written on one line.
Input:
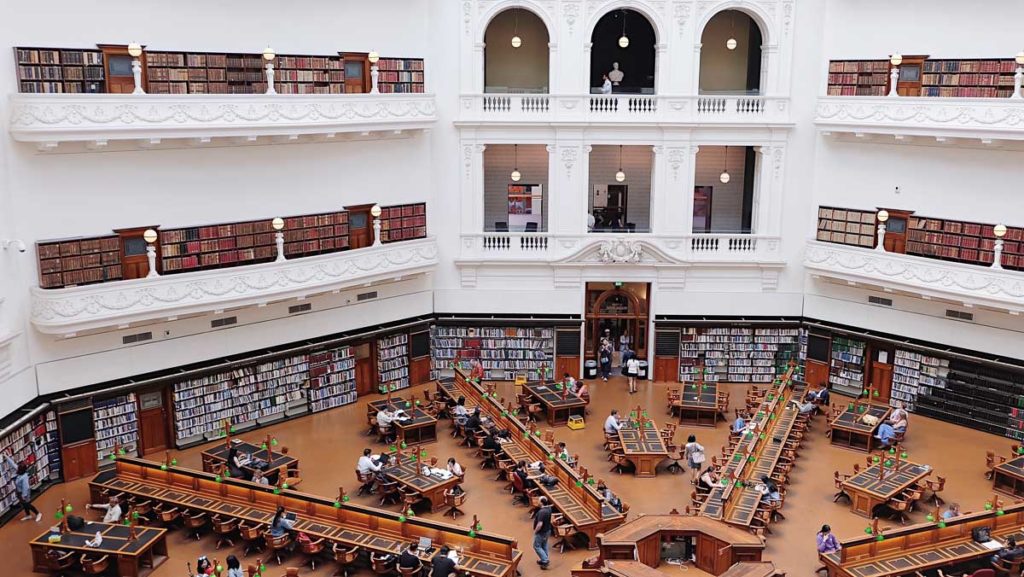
{"points": [[455, 469], [632, 369], [694, 453], [898, 417], [606, 85]]}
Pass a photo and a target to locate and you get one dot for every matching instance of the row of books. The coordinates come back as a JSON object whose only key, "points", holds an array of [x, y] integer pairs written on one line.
{"points": [[393, 362], [403, 222], [736, 354], [1007, 66], [503, 351], [36, 444], [51, 56], [332, 378], [846, 368], [965, 92], [862, 66], [854, 90], [967, 79]]}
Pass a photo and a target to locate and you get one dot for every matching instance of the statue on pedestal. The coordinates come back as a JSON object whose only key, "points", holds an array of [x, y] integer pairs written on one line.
{"points": [[615, 75]]}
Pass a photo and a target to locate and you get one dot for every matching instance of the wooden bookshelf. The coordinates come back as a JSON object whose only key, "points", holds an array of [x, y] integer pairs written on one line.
{"points": [[846, 369], [332, 378], [960, 241], [116, 423], [403, 222], [916, 373], [846, 226], [393, 362], [310, 75], [733, 354], [78, 261], [59, 70], [858, 77], [35, 443], [504, 352], [400, 75], [985, 78]]}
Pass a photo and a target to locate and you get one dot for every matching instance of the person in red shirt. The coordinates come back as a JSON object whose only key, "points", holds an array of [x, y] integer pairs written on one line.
{"points": [[476, 370]]}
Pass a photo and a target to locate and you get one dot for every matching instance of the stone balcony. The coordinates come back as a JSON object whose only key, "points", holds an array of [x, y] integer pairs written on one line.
{"points": [[919, 276], [102, 306], [55, 122]]}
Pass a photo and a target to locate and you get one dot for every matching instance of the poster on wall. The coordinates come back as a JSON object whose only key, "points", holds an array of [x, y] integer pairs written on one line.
{"points": [[702, 209], [525, 207]]}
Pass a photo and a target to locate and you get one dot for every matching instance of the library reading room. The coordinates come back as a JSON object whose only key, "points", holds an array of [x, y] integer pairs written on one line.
{"points": [[511, 288]]}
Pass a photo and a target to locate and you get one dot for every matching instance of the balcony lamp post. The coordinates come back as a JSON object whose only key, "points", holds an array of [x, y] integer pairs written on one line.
{"points": [[1019, 76], [375, 213], [374, 71], [883, 215], [894, 74], [269, 55], [278, 224], [997, 251], [135, 50], [150, 237]]}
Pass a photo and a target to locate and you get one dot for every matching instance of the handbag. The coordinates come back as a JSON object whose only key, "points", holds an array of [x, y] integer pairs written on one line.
{"points": [[698, 455]]}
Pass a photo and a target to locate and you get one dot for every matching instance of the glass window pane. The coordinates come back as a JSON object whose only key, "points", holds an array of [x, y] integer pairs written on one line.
{"points": [[120, 65]]}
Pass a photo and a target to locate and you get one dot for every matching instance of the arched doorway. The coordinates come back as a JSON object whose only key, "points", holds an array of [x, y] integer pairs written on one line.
{"points": [[730, 54], [634, 57], [516, 53], [614, 311]]}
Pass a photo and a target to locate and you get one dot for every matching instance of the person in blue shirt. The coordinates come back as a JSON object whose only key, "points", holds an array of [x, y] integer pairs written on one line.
{"points": [[22, 489], [886, 434], [280, 525], [739, 424]]}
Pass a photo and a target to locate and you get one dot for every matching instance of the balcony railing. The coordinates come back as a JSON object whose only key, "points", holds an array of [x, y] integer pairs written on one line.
{"points": [[149, 119], [99, 306], [923, 276], [922, 119], [624, 108], [632, 248]]}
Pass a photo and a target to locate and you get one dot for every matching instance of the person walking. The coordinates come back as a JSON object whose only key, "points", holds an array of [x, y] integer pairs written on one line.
{"points": [[23, 489], [694, 452], [632, 369], [605, 358], [542, 532]]}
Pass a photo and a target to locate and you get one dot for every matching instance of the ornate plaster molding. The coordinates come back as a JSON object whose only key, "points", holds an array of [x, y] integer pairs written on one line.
{"points": [[967, 117], [620, 250], [76, 309]]}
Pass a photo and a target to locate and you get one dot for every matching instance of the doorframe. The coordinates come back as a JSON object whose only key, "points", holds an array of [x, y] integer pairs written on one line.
{"points": [[133, 233], [168, 410], [109, 50], [363, 57], [642, 308], [357, 208]]}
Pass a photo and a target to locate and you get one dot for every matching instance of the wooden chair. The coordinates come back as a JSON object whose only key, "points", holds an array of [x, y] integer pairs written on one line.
{"points": [[167, 516], [143, 507], [900, 508], [195, 522], [95, 566], [345, 558], [312, 550], [759, 524], [990, 464], [505, 467], [411, 571], [383, 565], [372, 421], [366, 483], [841, 493], [252, 537], [454, 500], [389, 492], [224, 530], [409, 498], [58, 563], [563, 530], [383, 434], [621, 463], [935, 487], [912, 495], [1004, 567], [520, 494], [488, 461], [279, 547], [675, 466]]}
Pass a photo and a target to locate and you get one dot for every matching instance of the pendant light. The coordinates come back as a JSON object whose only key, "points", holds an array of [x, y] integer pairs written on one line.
{"points": [[620, 176], [516, 40], [724, 177], [516, 175], [731, 42], [624, 40]]}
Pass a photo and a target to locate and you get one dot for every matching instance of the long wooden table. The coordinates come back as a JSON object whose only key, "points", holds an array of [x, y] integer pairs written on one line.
{"points": [[1008, 477], [924, 546], [849, 431], [867, 491], [557, 408], [130, 557], [698, 405], [418, 429], [485, 554], [644, 449], [279, 464], [429, 487], [573, 496]]}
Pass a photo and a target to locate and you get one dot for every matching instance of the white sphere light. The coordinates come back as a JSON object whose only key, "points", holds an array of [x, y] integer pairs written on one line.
{"points": [[999, 230], [725, 177], [516, 176], [731, 44], [516, 42], [896, 59], [620, 176], [624, 41]]}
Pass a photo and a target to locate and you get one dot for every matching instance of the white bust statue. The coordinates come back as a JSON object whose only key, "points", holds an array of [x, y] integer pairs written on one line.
{"points": [[615, 75]]}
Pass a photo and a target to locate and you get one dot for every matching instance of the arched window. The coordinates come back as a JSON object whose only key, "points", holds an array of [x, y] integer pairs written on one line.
{"points": [[730, 54], [516, 53], [623, 47]]}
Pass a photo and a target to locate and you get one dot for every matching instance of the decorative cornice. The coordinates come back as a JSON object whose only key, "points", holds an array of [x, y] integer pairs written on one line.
{"points": [[90, 307], [919, 275], [999, 118], [101, 118]]}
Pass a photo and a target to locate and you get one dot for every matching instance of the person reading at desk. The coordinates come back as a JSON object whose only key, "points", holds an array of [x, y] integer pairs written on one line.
{"points": [[474, 422], [367, 463], [886, 434], [442, 565], [259, 478], [570, 383], [953, 510], [408, 559], [490, 442], [236, 462], [827, 542], [898, 418], [739, 424], [1010, 553], [612, 423], [707, 480], [460, 412], [385, 417], [112, 508], [281, 524], [583, 391], [456, 470], [609, 497], [769, 491], [819, 396], [804, 408], [524, 475], [563, 454]]}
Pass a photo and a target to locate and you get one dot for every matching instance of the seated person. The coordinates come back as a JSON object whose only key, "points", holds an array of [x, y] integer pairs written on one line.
{"points": [[368, 463], [707, 480], [474, 422], [563, 454], [570, 383], [491, 442], [524, 475], [236, 462], [886, 434], [112, 508], [609, 497], [804, 408], [739, 424], [1010, 553], [385, 416], [460, 412], [259, 478], [280, 524], [612, 423], [455, 469], [953, 510], [408, 559], [898, 418], [583, 391], [827, 542], [769, 491], [442, 565]]}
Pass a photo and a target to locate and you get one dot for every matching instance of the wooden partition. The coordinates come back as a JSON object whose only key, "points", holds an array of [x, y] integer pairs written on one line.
{"points": [[487, 554]]}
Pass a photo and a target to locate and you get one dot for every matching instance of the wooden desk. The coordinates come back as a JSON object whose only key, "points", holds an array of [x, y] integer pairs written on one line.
{"points": [[698, 405], [558, 409], [923, 546], [1009, 477], [218, 455], [850, 432], [486, 554], [867, 491], [429, 487], [746, 569], [644, 449], [420, 428], [130, 558]]}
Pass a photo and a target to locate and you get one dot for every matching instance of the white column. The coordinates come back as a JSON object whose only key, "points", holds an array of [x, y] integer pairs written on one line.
{"points": [[771, 70], [479, 66], [688, 179], [584, 77], [672, 163], [659, 217], [761, 206], [695, 77], [567, 177], [553, 69], [662, 84], [472, 187]]}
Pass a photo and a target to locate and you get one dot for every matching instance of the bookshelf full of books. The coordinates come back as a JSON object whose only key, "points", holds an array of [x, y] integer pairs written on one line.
{"points": [[846, 369], [403, 222], [400, 75], [246, 396], [53, 70], [974, 394], [846, 226], [916, 373], [78, 261], [858, 77], [116, 424], [967, 242], [36, 444], [982, 78], [737, 354], [393, 362], [504, 352], [332, 378]]}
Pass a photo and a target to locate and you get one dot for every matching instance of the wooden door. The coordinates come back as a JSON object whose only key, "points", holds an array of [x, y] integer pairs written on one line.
{"points": [[117, 65], [152, 422], [360, 226], [357, 72], [816, 373], [911, 69], [134, 262], [896, 230], [366, 369], [79, 460], [567, 364], [881, 372], [707, 552]]}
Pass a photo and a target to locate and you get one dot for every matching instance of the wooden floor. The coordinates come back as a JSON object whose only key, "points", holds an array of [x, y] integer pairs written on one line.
{"points": [[328, 445]]}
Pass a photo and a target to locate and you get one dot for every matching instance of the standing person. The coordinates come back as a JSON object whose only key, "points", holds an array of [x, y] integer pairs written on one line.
{"points": [[624, 345], [694, 452], [234, 567], [605, 358], [827, 542], [22, 488], [542, 532], [632, 370], [476, 371], [606, 84]]}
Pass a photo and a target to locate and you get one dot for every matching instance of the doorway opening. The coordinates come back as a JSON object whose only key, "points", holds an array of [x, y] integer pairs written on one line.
{"points": [[617, 312]]}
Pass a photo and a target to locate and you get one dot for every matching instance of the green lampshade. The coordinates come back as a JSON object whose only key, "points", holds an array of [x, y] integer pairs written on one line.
{"points": [[880, 538], [135, 514], [410, 512], [112, 456], [472, 533], [218, 478], [58, 515], [273, 441], [903, 455], [220, 568], [868, 530], [988, 506], [174, 462], [401, 518], [930, 517], [892, 450], [404, 446], [423, 454], [127, 522], [942, 525], [277, 491], [121, 452], [263, 446], [1000, 513], [345, 499], [337, 504], [579, 483], [284, 485], [877, 458], [590, 481], [479, 527]]}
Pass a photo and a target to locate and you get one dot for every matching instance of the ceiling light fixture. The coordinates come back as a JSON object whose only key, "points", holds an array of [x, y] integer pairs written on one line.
{"points": [[724, 177], [624, 40], [516, 40], [516, 176], [620, 176]]}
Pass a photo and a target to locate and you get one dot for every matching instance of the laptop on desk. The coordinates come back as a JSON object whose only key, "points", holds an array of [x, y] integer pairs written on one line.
{"points": [[425, 545]]}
